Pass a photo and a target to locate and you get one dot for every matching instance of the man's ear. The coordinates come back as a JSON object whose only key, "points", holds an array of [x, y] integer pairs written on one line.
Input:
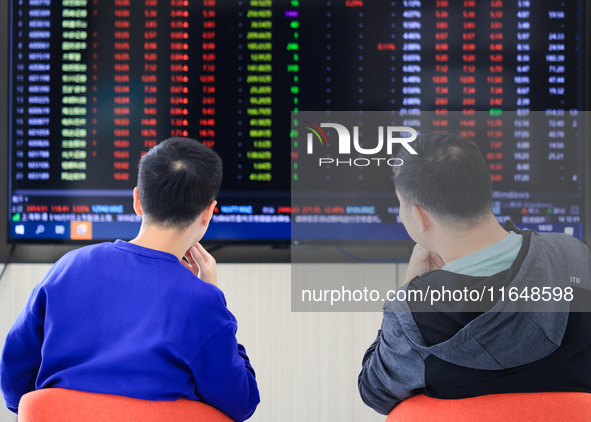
{"points": [[137, 205], [421, 218], [208, 213]]}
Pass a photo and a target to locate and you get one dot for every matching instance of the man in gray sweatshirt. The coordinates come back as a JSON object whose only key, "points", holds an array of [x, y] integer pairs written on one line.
{"points": [[488, 309]]}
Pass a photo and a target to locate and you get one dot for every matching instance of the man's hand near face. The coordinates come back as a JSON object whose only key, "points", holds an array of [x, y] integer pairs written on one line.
{"points": [[201, 263], [422, 261]]}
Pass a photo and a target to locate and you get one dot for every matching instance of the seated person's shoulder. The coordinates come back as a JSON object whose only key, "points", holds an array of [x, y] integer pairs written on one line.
{"points": [[202, 291], [198, 296], [565, 247], [563, 239], [82, 259]]}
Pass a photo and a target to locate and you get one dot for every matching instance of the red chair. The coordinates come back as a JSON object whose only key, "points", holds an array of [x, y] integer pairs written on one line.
{"points": [[61, 405], [515, 407]]}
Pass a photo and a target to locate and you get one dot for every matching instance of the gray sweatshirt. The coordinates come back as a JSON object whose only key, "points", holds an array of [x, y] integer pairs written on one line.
{"points": [[465, 349]]}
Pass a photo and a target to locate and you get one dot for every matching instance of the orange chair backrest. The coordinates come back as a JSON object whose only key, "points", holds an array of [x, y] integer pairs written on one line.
{"points": [[515, 407], [62, 405]]}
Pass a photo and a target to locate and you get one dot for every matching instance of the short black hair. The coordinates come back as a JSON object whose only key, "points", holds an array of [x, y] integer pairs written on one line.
{"points": [[177, 180], [447, 177]]}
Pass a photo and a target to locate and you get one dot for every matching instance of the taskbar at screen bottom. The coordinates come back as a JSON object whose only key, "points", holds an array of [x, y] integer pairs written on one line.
{"points": [[257, 232], [302, 232], [102, 231]]}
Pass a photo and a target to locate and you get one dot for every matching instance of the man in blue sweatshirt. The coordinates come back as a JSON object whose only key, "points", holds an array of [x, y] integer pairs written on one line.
{"points": [[534, 338], [144, 318]]}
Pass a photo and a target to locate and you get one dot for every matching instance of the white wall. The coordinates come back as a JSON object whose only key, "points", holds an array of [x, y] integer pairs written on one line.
{"points": [[306, 363]]}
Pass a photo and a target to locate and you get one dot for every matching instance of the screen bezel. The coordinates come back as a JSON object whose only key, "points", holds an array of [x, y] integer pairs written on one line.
{"points": [[267, 250]]}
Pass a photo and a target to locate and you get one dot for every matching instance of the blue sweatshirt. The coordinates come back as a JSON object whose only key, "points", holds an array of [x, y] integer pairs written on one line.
{"points": [[118, 318]]}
